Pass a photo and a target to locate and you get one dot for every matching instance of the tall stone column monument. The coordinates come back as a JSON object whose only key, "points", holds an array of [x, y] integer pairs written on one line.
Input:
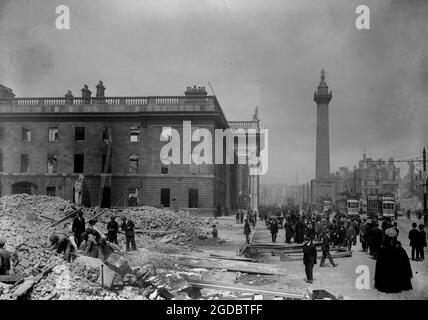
{"points": [[322, 98], [322, 186]]}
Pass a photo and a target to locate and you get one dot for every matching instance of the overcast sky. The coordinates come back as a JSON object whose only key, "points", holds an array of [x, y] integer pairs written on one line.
{"points": [[267, 53]]}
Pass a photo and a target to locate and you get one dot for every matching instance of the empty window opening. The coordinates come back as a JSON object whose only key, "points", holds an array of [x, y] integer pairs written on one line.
{"points": [[193, 198], [164, 170], [25, 163], [165, 197], [53, 134], [52, 163], [50, 191], [135, 134], [133, 197], [79, 134], [26, 135], [133, 163], [78, 163]]}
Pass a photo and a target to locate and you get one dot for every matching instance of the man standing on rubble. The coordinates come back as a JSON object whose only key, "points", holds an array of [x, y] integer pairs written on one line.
{"points": [[128, 227], [4, 258], [112, 229], [78, 227]]}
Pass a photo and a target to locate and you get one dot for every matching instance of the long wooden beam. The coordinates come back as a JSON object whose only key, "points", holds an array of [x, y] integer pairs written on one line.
{"points": [[225, 286]]}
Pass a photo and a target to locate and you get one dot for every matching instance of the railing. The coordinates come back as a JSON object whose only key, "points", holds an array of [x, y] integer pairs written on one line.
{"points": [[110, 104], [243, 124], [55, 101]]}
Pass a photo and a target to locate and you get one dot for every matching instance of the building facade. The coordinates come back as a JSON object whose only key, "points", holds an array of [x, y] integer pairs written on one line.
{"points": [[115, 142]]}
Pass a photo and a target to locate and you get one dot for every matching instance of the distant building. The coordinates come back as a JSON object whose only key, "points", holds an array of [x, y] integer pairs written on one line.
{"points": [[371, 177]]}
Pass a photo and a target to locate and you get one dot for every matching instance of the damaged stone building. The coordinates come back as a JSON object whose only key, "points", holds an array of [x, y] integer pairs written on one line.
{"points": [[109, 148]]}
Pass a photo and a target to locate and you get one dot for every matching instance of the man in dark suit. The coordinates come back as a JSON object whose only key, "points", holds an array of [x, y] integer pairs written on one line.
{"points": [[112, 229], [413, 237], [274, 229], [78, 227], [128, 227], [326, 250], [309, 258], [422, 242]]}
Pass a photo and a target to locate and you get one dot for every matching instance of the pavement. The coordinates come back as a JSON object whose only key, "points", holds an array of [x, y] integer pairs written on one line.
{"points": [[343, 279]]}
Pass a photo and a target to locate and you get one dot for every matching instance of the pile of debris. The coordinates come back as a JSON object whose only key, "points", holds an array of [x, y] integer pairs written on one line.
{"points": [[27, 240], [179, 226], [35, 205]]}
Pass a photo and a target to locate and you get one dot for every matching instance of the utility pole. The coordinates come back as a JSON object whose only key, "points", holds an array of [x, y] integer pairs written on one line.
{"points": [[425, 181]]}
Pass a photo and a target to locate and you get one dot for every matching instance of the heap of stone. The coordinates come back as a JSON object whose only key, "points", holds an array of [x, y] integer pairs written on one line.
{"points": [[36, 205], [24, 223], [27, 240], [179, 225]]}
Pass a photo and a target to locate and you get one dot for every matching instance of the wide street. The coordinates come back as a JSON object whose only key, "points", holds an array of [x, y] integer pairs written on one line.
{"points": [[342, 279]]}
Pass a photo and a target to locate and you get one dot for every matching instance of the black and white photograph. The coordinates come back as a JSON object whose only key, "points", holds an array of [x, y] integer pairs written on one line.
{"points": [[213, 154]]}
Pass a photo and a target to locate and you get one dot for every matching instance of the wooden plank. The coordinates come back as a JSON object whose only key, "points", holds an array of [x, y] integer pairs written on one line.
{"points": [[216, 256], [234, 266], [258, 291], [48, 218], [68, 216], [10, 278], [336, 255], [268, 245], [98, 214]]}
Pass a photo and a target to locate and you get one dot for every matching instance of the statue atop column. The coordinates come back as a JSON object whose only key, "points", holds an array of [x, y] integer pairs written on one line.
{"points": [[256, 114], [323, 73]]}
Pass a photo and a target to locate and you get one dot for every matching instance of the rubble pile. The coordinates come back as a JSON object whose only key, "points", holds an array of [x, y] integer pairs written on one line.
{"points": [[36, 205], [179, 225], [27, 240], [25, 223]]}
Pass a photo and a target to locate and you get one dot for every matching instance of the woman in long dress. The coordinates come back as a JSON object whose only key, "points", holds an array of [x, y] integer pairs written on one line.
{"points": [[393, 271]]}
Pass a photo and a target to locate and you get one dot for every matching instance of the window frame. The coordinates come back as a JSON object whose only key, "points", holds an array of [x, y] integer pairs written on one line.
{"points": [[25, 129], [57, 134], [54, 189], [137, 163], [27, 156], [74, 162], [56, 163], [75, 134], [189, 192], [131, 129]]}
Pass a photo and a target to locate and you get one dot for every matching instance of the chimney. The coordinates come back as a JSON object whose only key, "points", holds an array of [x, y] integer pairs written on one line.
{"points": [[69, 97], [86, 94], [195, 91], [100, 90]]}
